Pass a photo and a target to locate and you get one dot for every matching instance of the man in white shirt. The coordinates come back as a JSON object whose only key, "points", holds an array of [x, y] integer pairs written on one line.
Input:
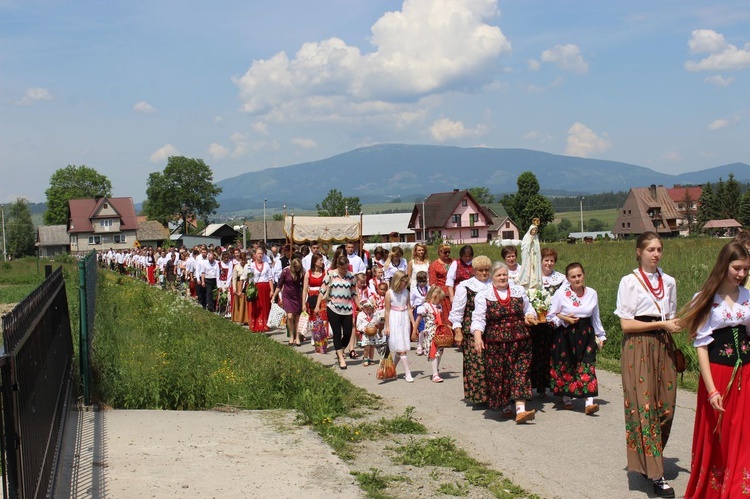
{"points": [[357, 264], [314, 248], [209, 275]]}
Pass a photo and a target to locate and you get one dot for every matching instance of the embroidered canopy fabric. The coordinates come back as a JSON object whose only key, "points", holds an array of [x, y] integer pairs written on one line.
{"points": [[325, 229]]}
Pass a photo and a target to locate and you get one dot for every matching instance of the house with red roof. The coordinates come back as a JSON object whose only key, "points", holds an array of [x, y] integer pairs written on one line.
{"points": [[102, 223], [451, 216], [686, 201]]}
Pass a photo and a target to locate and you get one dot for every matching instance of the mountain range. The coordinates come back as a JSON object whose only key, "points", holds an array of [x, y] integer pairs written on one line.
{"points": [[380, 173]]}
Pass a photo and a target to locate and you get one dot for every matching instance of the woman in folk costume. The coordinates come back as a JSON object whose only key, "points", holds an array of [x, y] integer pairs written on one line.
{"points": [[475, 389], [261, 273], [502, 314], [646, 305], [577, 336], [717, 317], [460, 270], [438, 273]]}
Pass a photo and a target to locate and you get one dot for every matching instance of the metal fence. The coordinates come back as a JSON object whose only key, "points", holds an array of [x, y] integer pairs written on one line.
{"points": [[87, 300], [36, 386]]}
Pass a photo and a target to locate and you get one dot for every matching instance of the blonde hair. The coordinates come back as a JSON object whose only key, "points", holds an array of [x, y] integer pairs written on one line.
{"points": [[481, 262], [424, 247], [434, 292], [398, 278]]}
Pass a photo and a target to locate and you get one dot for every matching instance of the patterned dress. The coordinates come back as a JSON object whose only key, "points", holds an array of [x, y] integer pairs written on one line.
{"points": [[436, 276], [432, 318], [573, 367], [475, 390], [649, 378], [721, 459], [507, 354], [541, 339]]}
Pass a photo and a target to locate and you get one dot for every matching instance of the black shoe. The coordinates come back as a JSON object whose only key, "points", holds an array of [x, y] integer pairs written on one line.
{"points": [[662, 488]]}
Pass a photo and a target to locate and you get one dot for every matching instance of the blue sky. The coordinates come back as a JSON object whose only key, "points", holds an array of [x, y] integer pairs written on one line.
{"points": [[246, 85]]}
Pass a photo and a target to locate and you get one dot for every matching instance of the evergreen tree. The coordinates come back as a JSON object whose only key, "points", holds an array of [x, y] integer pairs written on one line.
{"points": [[729, 200], [743, 215], [706, 205], [527, 204], [21, 237]]}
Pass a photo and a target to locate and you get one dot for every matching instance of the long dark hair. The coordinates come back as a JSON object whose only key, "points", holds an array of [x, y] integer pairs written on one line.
{"points": [[697, 310]]}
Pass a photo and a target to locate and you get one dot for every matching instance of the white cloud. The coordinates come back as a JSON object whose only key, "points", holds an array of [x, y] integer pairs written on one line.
{"points": [[304, 143], [243, 146], [566, 57], [445, 129], [218, 119], [533, 65], [162, 154], [719, 80], [723, 56], [723, 123], [706, 41], [426, 48], [583, 141], [33, 95], [144, 107], [217, 151], [670, 155]]}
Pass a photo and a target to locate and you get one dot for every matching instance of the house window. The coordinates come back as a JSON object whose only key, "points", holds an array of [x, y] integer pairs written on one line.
{"points": [[508, 234], [73, 240], [623, 225], [464, 202], [474, 232], [105, 223], [105, 206], [628, 212], [120, 238], [456, 219], [628, 225], [95, 239], [507, 226]]}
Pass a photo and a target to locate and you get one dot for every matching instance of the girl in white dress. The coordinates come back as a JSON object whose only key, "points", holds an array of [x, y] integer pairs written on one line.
{"points": [[577, 335], [399, 321]]}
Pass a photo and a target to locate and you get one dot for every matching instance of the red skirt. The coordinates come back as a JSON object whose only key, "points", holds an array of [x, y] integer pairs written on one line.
{"points": [[721, 460], [260, 308], [151, 273]]}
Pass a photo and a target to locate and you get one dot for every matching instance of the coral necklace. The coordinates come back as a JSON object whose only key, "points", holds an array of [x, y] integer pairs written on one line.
{"points": [[500, 301], [658, 292]]}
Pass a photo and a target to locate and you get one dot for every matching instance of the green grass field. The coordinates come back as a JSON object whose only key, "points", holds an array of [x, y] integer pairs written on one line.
{"points": [[609, 217]]}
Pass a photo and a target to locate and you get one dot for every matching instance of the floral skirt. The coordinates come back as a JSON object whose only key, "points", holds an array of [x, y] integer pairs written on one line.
{"points": [[721, 460], [572, 369], [475, 384], [649, 385], [541, 352], [507, 371]]}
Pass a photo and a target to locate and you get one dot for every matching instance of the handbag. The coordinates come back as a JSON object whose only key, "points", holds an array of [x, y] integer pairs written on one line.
{"points": [[275, 316], [319, 335], [303, 323]]}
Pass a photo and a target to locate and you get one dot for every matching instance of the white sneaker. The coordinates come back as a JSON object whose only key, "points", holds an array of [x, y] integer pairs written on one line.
{"points": [[408, 378]]}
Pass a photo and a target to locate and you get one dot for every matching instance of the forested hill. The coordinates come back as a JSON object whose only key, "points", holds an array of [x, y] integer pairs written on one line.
{"points": [[379, 173]]}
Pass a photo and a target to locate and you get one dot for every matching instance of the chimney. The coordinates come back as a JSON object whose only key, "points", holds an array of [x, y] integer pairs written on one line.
{"points": [[653, 190], [455, 190]]}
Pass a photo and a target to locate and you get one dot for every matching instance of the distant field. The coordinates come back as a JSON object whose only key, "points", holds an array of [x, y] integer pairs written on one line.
{"points": [[609, 217]]}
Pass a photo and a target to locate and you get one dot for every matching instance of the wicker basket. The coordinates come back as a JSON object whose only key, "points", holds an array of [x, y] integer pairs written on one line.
{"points": [[371, 330], [443, 337]]}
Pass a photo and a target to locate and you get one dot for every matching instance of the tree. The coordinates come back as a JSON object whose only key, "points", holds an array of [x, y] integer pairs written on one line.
{"points": [[527, 204], [596, 225], [73, 182], [21, 237], [336, 205], [729, 200], [183, 190], [744, 210], [707, 206], [481, 195]]}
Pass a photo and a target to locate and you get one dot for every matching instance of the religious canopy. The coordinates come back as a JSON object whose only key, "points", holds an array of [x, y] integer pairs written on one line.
{"points": [[324, 229]]}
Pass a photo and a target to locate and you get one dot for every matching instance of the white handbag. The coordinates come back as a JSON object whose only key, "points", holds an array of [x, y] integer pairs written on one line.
{"points": [[276, 316]]}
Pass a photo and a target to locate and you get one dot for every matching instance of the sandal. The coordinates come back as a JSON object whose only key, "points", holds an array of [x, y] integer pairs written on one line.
{"points": [[437, 379], [353, 354], [568, 406]]}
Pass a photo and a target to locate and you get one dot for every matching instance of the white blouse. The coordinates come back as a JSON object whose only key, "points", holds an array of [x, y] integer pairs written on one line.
{"points": [[722, 315], [456, 315], [566, 302], [633, 299], [479, 316], [263, 275], [554, 279]]}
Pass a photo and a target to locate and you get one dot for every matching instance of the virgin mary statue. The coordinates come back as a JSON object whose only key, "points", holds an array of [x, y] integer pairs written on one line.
{"points": [[531, 258]]}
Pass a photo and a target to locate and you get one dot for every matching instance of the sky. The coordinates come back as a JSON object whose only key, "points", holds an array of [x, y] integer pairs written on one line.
{"points": [[246, 85]]}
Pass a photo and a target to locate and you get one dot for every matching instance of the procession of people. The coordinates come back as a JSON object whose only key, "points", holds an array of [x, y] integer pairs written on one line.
{"points": [[523, 329]]}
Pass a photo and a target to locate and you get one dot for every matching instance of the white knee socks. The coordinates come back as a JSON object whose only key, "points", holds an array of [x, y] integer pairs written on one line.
{"points": [[407, 372]]}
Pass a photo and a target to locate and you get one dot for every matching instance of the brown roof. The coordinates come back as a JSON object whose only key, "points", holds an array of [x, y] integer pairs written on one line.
{"points": [[726, 223], [151, 230], [274, 228], [678, 193], [643, 207], [440, 206], [82, 211]]}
